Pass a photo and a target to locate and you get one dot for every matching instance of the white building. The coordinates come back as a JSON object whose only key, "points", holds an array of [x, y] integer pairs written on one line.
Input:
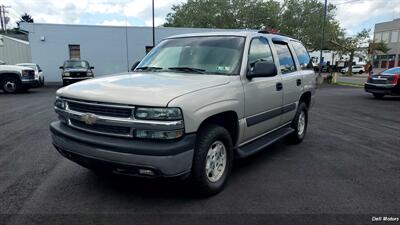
{"points": [[109, 49], [13, 51], [334, 58]]}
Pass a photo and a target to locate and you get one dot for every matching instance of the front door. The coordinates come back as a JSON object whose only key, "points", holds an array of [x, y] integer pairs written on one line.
{"points": [[263, 100]]}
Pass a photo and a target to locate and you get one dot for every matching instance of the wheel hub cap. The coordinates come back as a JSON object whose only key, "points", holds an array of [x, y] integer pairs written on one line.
{"points": [[301, 123], [10, 86], [216, 161]]}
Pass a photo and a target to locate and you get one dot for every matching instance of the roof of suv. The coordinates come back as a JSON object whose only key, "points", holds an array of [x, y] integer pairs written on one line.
{"points": [[245, 33]]}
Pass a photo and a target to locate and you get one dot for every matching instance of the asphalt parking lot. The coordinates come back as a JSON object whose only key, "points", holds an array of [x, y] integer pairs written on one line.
{"points": [[347, 167]]}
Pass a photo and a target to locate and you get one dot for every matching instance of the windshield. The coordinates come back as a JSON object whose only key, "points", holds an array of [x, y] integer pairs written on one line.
{"points": [[76, 64], [210, 55]]}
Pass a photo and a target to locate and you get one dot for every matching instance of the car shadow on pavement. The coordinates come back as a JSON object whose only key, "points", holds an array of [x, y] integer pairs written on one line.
{"points": [[175, 188]]}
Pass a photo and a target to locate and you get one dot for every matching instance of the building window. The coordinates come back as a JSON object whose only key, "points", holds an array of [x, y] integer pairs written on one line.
{"points": [[385, 37], [395, 36], [378, 37], [74, 51]]}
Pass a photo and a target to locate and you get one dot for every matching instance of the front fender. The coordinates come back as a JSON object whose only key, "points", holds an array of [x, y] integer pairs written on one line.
{"points": [[199, 105]]}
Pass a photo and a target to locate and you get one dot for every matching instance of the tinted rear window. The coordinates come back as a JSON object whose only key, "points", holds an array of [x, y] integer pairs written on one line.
{"points": [[302, 55]]}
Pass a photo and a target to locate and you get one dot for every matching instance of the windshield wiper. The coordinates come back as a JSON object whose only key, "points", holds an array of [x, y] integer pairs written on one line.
{"points": [[148, 68], [187, 69]]}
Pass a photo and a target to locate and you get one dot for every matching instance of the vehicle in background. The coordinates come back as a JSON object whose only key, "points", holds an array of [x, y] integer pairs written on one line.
{"points": [[355, 69], [191, 106], [39, 78], [16, 78], [2, 62], [385, 83], [75, 70]]}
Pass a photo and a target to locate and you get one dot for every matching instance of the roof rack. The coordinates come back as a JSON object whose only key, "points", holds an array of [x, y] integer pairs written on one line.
{"points": [[263, 32]]}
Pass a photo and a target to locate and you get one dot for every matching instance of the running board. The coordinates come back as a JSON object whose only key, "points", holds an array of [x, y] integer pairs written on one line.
{"points": [[262, 142]]}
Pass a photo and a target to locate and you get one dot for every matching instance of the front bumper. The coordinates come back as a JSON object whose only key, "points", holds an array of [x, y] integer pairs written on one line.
{"points": [[71, 80], [387, 89], [166, 159], [27, 82]]}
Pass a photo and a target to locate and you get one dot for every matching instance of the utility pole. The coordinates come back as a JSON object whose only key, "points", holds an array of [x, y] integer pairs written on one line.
{"points": [[1, 18], [154, 40], [322, 40]]}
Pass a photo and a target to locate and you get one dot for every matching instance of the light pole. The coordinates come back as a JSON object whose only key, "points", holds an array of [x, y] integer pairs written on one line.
{"points": [[322, 40], [152, 8]]}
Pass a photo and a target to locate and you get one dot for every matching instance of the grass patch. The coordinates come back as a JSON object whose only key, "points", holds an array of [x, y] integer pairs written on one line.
{"points": [[349, 84]]}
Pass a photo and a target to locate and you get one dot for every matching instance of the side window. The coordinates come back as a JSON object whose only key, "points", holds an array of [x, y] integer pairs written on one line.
{"points": [[285, 58], [302, 56], [259, 51]]}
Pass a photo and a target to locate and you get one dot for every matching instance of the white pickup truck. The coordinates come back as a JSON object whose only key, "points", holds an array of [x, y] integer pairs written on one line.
{"points": [[190, 106], [16, 78]]}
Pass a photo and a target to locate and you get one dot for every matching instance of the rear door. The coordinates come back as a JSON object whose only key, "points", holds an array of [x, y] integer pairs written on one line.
{"points": [[291, 80]]}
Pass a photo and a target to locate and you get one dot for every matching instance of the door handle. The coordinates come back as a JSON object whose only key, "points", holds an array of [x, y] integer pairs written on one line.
{"points": [[298, 82], [279, 86]]}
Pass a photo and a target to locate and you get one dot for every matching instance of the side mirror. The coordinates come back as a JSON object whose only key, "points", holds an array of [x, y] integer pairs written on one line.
{"points": [[40, 70], [262, 69], [92, 67], [135, 65], [61, 67]]}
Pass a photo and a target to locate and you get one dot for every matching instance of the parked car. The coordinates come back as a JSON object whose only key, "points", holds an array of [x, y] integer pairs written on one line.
{"points": [[16, 78], [39, 78], [191, 105], [75, 70], [385, 83], [355, 69]]}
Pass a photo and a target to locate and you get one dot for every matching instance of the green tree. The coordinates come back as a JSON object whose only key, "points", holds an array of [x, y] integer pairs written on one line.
{"points": [[25, 18], [230, 14], [349, 45], [301, 19]]}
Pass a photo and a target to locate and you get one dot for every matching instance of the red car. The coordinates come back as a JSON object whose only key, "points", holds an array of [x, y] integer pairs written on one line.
{"points": [[384, 83]]}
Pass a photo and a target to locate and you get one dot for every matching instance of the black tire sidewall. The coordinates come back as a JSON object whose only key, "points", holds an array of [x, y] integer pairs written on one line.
{"points": [[295, 137], [208, 135], [17, 83]]}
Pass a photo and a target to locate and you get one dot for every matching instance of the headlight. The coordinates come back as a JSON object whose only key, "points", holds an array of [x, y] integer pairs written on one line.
{"points": [[158, 113], [25, 72], [90, 74], [59, 103], [66, 74]]}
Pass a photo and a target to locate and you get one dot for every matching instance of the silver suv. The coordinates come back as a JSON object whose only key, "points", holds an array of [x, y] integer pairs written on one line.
{"points": [[191, 106]]}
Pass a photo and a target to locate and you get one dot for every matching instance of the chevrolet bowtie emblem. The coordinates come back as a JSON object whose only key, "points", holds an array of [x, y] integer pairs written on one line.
{"points": [[89, 118]]}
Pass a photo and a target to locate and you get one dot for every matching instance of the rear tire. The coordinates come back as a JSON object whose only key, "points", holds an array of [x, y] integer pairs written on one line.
{"points": [[361, 72], [299, 124], [212, 161], [378, 96], [11, 85]]}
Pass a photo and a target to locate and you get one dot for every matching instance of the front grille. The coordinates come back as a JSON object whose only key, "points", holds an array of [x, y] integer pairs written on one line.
{"points": [[78, 74], [101, 128], [100, 109]]}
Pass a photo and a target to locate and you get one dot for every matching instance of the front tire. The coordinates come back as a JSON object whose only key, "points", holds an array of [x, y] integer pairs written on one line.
{"points": [[299, 124], [212, 160], [11, 85]]}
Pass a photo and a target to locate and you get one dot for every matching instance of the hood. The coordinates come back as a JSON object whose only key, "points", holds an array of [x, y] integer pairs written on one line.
{"points": [[145, 89], [14, 68]]}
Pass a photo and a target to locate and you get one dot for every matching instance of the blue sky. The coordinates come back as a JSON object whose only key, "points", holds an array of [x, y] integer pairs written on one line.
{"points": [[354, 15]]}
